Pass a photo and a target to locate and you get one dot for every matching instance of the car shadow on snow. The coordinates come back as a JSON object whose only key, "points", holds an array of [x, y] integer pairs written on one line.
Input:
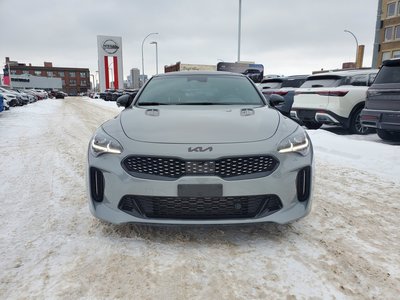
{"points": [[195, 233]]}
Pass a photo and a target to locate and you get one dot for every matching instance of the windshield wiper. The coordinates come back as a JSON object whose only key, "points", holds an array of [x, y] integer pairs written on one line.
{"points": [[151, 103]]}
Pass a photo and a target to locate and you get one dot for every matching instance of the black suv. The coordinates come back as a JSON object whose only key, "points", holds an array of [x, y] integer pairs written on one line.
{"points": [[382, 106]]}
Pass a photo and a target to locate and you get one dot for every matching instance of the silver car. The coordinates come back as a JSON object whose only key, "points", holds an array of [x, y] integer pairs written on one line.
{"points": [[199, 148]]}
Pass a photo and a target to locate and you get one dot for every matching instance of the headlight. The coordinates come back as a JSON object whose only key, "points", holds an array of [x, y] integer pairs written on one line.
{"points": [[298, 142], [103, 143]]}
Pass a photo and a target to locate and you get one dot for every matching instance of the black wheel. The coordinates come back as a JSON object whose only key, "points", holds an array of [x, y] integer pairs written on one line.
{"points": [[388, 135], [355, 123], [312, 125]]}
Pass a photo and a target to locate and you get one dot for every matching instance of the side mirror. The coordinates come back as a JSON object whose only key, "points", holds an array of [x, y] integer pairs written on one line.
{"points": [[276, 100], [123, 100]]}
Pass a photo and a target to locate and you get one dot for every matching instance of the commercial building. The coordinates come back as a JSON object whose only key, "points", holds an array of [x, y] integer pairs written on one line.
{"points": [[135, 78], [387, 35], [189, 67], [73, 80]]}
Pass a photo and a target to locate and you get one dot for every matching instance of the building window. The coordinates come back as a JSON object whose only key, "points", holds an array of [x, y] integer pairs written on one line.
{"points": [[83, 74], [38, 73], [391, 9], [13, 72], [72, 82], [386, 55], [61, 74], [83, 82], [25, 72], [396, 54], [49, 74], [397, 32], [63, 82], [72, 74], [388, 33]]}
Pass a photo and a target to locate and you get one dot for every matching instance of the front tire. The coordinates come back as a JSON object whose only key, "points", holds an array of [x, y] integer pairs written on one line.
{"points": [[388, 135]]}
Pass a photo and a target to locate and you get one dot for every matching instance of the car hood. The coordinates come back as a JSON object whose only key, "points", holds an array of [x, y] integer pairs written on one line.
{"points": [[199, 124]]}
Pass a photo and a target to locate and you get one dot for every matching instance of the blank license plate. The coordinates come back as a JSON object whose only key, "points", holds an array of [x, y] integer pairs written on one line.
{"points": [[200, 190]]}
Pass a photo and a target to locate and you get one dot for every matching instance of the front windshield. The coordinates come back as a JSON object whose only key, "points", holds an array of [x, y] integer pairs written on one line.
{"points": [[199, 90]]}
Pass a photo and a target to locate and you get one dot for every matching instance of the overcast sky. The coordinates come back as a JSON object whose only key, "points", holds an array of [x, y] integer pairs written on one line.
{"points": [[286, 36]]}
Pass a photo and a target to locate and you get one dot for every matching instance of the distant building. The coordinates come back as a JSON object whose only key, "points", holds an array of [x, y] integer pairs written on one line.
{"points": [[387, 34], [135, 78], [73, 80], [141, 81]]}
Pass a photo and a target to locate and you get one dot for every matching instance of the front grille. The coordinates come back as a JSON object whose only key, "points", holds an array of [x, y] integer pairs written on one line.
{"points": [[200, 207], [227, 167]]}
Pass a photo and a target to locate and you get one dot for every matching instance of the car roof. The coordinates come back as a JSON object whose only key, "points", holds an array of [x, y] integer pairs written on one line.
{"points": [[345, 73], [211, 73], [391, 62]]}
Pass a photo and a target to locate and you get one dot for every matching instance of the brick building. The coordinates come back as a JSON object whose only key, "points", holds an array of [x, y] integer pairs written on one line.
{"points": [[74, 80], [387, 36]]}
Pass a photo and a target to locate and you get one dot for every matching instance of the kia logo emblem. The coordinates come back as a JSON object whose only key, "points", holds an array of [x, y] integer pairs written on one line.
{"points": [[110, 46], [199, 149]]}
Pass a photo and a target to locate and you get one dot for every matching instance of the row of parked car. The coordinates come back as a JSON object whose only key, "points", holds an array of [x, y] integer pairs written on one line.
{"points": [[359, 100], [11, 97], [113, 95]]}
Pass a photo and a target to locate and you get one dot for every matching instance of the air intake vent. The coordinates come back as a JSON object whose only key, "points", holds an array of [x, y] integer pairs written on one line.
{"points": [[96, 184], [303, 184]]}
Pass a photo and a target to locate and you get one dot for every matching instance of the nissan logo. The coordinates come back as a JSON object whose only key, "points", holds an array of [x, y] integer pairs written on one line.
{"points": [[110, 46]]}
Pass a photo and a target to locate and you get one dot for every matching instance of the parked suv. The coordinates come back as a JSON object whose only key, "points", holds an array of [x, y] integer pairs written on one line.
{"points": [[382, 108], [284, 86], [334, 98]]}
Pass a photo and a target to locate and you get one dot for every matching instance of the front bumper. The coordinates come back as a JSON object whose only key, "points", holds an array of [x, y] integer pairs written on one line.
{"points": [[117, 185], [381, 119]]}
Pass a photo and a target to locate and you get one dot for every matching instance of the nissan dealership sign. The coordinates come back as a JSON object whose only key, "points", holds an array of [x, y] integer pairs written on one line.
{"points": [[109, 49], [110, 46]]}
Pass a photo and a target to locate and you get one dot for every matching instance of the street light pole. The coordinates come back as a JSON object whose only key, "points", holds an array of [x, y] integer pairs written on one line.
{"points": [[239, 29], [348, 31], [142, 53], [155, 43]]}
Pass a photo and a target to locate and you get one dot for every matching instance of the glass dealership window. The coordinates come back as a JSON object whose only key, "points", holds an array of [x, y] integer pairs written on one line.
{"points": [[391, 9], [386, 55], [388, 33]]}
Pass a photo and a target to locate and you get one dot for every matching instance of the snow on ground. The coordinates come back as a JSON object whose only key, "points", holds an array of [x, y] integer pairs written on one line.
{"points": [[51, 247]]}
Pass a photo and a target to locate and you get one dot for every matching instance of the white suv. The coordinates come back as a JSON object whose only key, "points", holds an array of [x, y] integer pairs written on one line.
{"points": [[334, 98]]}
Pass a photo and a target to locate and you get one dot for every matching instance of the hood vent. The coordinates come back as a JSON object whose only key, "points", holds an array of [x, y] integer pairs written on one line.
{"points": [[152, 112], [246, 112]]}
